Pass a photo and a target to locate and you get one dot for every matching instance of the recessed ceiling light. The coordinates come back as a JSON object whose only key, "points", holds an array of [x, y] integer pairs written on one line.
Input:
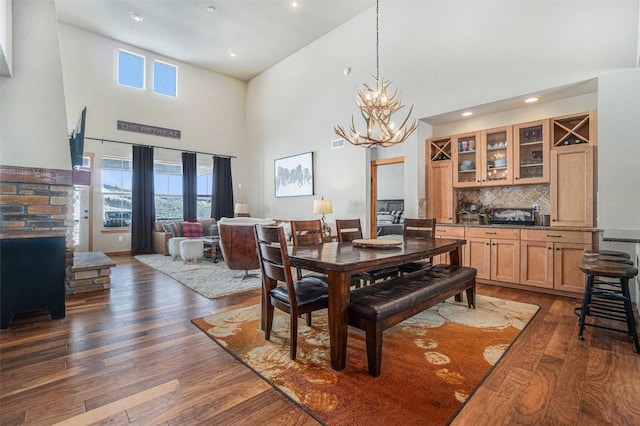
{"points": [[347, 71], [467, 114], [293, 3], [211, 9], [531, 100], [232, 53], [136, 17]]}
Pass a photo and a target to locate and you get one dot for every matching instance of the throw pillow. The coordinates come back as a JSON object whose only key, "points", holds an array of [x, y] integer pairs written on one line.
{"points": [[172, 228], [192, 229], [211, 230]]}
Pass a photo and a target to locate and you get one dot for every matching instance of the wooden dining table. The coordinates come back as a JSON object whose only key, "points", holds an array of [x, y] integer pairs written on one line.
{"points": [[340, 260]]}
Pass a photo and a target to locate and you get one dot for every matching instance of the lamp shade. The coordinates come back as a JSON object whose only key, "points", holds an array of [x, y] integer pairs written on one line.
{"points": [[322, 206], [241, 208]]}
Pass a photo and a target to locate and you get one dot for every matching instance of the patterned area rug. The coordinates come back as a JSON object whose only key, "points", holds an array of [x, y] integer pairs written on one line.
{"points": [[431, 363], [210, 279]]}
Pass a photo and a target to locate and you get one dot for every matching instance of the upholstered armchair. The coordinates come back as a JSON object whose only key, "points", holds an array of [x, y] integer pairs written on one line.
{"points": [[238, 242]]}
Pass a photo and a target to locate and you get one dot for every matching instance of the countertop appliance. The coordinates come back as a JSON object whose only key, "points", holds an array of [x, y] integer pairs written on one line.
{"points": [[512, 216]]}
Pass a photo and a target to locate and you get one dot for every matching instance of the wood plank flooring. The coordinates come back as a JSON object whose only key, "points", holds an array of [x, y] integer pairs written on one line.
{"points": [[131, 355]]}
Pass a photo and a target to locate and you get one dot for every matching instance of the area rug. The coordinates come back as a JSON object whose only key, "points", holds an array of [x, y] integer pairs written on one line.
{"points": [[431, 363], [210, 279]]}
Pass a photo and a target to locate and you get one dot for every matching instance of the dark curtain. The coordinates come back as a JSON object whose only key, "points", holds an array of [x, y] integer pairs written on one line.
{"points": [[143, 210], [189, 186], [222, 188]]}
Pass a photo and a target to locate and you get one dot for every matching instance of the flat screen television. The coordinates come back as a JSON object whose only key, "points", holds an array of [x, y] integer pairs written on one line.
{"points": [[76, 141]]}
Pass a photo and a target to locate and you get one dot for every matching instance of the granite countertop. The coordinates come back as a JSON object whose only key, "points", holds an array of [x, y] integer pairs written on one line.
{"points": [[544, 228], [622, 235]]}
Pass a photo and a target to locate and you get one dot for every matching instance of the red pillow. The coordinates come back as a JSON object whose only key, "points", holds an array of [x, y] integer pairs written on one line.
{"points": [[192, 229]]}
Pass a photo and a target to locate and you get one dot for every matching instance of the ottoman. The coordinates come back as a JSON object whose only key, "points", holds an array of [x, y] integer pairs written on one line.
{"points": [[174, 246], [191, 250]]}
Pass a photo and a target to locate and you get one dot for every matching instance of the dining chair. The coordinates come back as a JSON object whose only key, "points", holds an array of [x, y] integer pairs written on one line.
{"points": [[294, 297], [418, 229], [349, 230], [306, 233]]}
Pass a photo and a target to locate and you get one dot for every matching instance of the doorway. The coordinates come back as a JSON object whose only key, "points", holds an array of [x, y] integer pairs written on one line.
{"points": [[376, 185], [82, 211]]}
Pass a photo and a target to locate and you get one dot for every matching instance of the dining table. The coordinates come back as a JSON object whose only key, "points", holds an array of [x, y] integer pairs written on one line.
{"points": [[340, 260]]}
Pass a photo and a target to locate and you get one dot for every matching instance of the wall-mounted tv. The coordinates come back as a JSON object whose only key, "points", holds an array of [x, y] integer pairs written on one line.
{"points": [[76, 141]]}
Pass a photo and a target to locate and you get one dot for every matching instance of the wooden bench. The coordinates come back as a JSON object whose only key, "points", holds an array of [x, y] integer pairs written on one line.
{"points": [[382, 305]]}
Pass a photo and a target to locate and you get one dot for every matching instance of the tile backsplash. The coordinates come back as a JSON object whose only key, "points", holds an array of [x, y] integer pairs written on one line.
{"points": [[524, 196]]}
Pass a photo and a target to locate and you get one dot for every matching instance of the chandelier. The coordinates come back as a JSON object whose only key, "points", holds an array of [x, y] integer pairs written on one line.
{"points": [[377, 109]]}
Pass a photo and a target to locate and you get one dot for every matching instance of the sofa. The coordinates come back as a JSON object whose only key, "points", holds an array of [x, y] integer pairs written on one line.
{"points": [[164, 230]]}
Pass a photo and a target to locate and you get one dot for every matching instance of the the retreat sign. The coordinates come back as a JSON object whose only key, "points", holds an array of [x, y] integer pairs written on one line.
{"points": [[148, 130]]}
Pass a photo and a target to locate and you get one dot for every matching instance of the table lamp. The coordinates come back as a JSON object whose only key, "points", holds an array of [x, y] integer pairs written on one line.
{"points": [[323, 207], [241, 210]]}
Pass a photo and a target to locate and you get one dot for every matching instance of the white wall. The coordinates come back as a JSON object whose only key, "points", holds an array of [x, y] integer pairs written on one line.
{"points": [[619, 150], [209, 111], [6, 44], [33, 119], [443, 56]]}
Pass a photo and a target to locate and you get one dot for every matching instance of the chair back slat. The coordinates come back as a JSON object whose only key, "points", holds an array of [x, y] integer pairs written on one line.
{"points": [[274, 259], [419, 228], [306, 232], [348, 229]]}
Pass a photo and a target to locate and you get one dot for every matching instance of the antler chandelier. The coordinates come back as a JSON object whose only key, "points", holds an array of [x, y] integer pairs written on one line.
{"points": [[377, 109]]}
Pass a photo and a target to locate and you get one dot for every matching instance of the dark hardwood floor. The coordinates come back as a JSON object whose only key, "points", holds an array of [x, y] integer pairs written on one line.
{"points": [[131, 355]]}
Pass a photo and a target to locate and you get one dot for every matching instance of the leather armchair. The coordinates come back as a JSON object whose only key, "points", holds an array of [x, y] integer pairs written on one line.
{"points": [[238, 242]]}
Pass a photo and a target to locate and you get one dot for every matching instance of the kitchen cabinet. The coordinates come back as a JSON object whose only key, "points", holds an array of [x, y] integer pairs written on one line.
{"points": [[497, 154], [494, 252], [574, 129], [572, 198], [456, 233], [531, 152], [483, 158], [440, 192], [467, 161], [550, 258]]}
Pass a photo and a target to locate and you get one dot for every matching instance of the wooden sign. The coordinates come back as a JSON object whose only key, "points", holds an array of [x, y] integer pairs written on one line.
{"points": [[148, 130]]}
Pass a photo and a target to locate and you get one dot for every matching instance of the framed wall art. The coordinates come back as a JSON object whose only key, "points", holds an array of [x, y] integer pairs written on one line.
{"points": [[294, 175]]}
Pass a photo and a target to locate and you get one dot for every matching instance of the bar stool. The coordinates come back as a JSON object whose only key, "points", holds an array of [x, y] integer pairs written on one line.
{"points": [[608, 299], [600, 258], [589, 253]]}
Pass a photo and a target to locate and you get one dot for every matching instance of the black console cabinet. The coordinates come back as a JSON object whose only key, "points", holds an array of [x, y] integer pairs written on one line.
{"points": [[31, 276]]}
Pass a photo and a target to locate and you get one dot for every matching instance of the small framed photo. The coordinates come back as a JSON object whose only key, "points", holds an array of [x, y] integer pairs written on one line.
{"points": [[294, 175]]}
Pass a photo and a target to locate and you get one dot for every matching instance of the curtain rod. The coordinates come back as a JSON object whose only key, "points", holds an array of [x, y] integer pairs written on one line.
{"points": [[161, 147]]}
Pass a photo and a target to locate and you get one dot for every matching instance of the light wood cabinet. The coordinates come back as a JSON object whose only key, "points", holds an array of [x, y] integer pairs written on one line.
{"points": [[572, 186], [574, 129], [467, 160], [531, 152], [495, 253], [440, 203], [440, 193], [456, 233], [550, 259]]}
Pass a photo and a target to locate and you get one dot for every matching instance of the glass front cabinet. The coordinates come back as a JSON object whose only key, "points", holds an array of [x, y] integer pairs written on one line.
{"points": [[497, 149], [467, 170], [531, 153]]}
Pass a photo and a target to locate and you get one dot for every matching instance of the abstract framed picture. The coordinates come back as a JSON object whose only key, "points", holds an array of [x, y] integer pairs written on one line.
{"points": [[294, 175]]}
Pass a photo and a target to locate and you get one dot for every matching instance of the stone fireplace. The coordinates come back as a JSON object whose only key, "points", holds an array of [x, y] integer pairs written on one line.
{"points": [[39, 202]]}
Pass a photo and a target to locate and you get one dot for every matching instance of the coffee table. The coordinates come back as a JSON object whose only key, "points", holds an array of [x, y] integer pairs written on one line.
{"points": [[212, 248]]}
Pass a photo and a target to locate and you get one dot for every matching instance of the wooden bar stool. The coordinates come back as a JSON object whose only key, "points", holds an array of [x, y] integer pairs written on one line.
{"points": [[601, 258], [606, 253], [608, 299]]}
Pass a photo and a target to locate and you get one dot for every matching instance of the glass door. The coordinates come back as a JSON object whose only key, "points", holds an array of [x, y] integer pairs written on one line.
{"points": [[497, 147], [466, 170], [531, 156]]}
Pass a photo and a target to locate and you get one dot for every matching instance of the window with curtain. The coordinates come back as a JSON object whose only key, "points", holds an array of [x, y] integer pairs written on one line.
{"points": [[205, 174], [116, 187], [168, 190]]}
